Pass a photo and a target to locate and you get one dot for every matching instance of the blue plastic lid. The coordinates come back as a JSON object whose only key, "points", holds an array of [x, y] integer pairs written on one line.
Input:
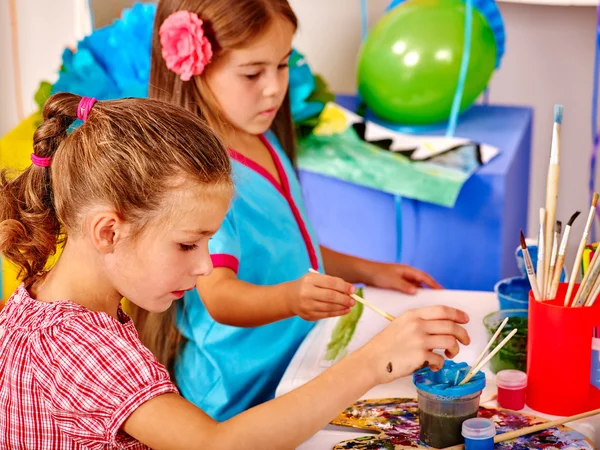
{"points": [[444, 382]]}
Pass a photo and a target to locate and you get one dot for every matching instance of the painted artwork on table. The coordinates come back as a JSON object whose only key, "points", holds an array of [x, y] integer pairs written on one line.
{"points": [[397, 422]]}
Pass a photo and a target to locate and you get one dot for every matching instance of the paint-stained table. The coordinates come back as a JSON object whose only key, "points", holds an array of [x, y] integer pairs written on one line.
{"points": [[308, 361]]}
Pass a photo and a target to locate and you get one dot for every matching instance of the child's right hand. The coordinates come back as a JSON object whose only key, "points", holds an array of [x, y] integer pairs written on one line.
{"points": [[318, 296], [407, 344]]}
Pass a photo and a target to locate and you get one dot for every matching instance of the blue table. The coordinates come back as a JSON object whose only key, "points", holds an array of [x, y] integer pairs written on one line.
{"points": [[470, 246]]}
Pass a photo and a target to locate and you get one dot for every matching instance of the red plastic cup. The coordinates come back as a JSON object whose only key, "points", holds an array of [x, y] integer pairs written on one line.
{"points": [[559, 356]]}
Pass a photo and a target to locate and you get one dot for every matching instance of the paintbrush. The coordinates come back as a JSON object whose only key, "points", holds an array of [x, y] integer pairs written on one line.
{"points": [[479, 366], [560, 259], [582, 244], [595, 293], [541, 259], [552, 181], [375, 308], [588, 282], [487, 347], [503, 437], [529, 266], [550, 274]]}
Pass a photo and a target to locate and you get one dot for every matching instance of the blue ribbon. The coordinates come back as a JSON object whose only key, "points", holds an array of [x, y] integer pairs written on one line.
{"points": [[595, 131], [464, 68], [364, 15], [91, 15]]}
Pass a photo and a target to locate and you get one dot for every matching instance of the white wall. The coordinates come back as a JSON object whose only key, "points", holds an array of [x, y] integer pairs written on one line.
{"points": [[45, 29], [549, 60]]}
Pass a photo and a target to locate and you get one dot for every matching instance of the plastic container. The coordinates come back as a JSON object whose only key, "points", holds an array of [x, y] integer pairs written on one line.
{"points": [[514, 354], [559, 367], [513, 293], [479, 434], [512, 389], [443, 405]]}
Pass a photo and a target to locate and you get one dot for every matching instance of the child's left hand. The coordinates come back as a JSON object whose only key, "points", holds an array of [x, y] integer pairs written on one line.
{"points": [[400, 277]]}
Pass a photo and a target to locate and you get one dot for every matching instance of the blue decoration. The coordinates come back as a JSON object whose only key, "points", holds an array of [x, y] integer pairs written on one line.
{"points": [[302, 85], [114, 61]]}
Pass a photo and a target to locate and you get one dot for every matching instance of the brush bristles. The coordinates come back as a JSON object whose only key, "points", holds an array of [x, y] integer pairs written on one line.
{"points": [[523, 244], [558, 226], [558, 114], [595, 199], [573, 217]]}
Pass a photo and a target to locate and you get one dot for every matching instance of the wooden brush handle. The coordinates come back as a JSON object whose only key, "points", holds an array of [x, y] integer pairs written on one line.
{"points": [[560, 261], [576, 266], [534, 428], [589, 279], [551, 200]]}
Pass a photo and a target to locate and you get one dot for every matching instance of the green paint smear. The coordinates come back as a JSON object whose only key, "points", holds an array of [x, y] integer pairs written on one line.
{"points": [[343, 331]]}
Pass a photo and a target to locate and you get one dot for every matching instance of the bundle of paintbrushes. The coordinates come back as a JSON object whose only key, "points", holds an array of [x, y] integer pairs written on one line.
{"points": [[553, 242]]}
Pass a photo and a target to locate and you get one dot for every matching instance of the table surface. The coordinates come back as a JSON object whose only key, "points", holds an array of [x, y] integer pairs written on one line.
{"points": [[307, 364]]}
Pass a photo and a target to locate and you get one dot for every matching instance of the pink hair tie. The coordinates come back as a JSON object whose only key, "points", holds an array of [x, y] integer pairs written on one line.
{"points": [[41, 161], [84, 108]]}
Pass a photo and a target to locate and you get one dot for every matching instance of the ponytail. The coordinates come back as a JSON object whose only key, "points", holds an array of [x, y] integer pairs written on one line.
{"points": [[29, 227]]}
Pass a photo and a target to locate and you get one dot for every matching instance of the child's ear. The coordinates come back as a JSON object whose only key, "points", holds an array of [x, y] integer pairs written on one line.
{"points": [[106, 229]]}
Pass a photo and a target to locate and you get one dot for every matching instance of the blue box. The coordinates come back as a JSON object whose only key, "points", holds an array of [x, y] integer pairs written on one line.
{"points": [[470, 246]]}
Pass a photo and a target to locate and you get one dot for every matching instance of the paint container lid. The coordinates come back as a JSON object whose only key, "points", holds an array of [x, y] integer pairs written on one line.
{"points": [[511, 379], [445, 382], [478, 429]]}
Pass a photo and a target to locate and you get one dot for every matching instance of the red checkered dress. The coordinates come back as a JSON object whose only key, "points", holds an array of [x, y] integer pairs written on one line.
{"points": [[70, 377]]}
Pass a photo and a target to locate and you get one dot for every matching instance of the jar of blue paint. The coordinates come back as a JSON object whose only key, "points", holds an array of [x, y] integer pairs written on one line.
{"points": [[444, 404], [479, 434]]}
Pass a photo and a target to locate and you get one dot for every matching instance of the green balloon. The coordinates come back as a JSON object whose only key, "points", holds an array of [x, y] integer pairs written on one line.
{"points": [[409, 64]]}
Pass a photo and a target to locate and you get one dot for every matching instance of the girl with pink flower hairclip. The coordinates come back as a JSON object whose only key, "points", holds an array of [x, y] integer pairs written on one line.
{"points": [[227, 61]]}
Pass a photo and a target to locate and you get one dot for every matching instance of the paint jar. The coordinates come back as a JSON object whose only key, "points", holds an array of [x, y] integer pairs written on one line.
{"points": [[513, 356], [444, 405], [513, 293], [512, 387], [479, 434]]}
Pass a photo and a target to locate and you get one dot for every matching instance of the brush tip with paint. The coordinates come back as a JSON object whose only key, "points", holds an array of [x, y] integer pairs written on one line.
{"points": [[558, 226], [595, 199], [523, 243], [558, 114]]}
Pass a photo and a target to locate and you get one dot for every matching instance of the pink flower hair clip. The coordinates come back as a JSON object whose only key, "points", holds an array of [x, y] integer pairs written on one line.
{"points": [[185, 47]]}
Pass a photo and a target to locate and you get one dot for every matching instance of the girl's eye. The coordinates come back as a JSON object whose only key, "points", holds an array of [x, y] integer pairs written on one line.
{"points": [[283, 66], [188, 247], [252, 76]]}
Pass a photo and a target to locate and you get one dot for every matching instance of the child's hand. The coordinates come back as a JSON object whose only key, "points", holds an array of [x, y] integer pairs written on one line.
{"points": [[406, 344], [317, 296], [400, 277]]}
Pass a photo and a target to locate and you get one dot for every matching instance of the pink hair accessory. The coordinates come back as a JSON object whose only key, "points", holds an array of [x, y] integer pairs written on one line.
{"points": [[84, 108], [185, 47], [40, 161]]}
